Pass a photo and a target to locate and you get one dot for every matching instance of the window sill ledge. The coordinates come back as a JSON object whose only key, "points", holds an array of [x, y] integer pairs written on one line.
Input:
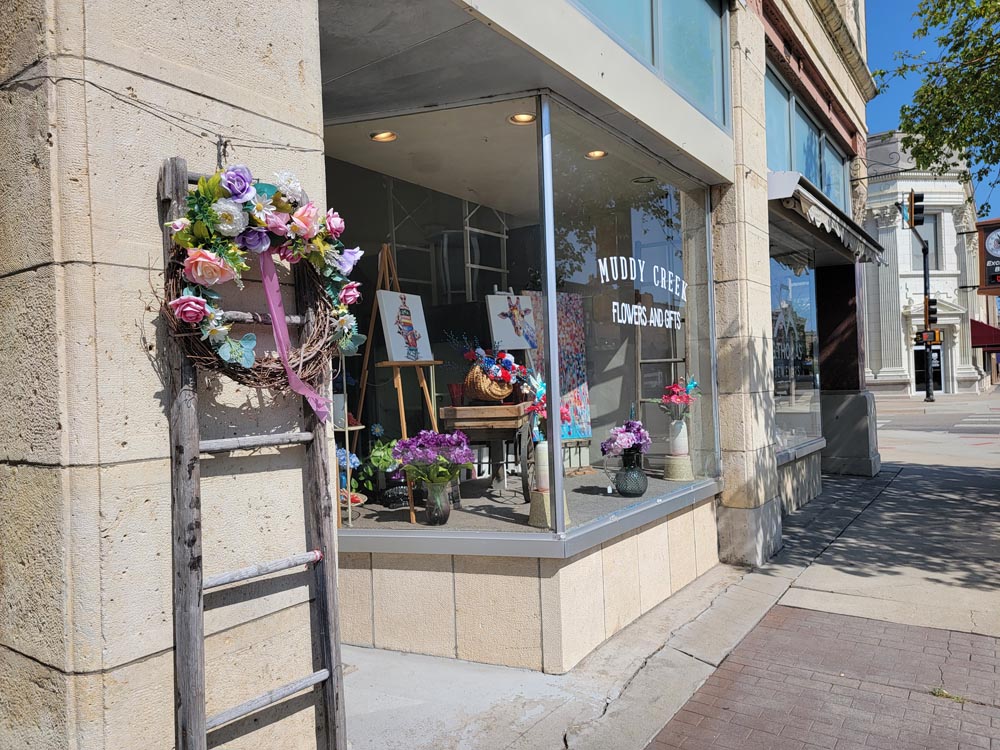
{"points": [[423, 540], [796, 452]]}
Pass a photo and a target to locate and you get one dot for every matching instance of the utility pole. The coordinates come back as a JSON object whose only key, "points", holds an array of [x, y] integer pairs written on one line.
{"points": [[913, 216]]}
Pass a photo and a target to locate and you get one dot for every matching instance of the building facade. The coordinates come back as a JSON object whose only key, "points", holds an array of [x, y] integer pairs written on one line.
{"points": [[894, 293], [671, 190]]}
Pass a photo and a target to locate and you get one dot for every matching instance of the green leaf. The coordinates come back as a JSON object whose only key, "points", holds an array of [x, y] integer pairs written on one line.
{"points": [[200, 230]]}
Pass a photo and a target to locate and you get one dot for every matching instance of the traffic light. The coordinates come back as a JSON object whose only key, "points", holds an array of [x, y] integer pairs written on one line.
{"points": [[932, 312], [915, 209]]}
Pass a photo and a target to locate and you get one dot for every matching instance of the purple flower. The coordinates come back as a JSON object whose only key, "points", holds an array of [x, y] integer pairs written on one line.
{"points": [[630, 436], [348, 259], [239, 182], [255, 239]]}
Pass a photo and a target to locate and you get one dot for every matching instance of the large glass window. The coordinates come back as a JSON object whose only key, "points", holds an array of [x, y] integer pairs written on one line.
{"points": [[779, 141], [929, 231], [796, 142], [691, 52], [796, 355], [632, 273], [683, 40], [630, 23], [806, 147]]}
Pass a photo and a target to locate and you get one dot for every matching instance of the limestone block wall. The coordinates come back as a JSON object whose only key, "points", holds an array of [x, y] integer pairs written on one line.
{"points": [[800, 481], [85, 581], [542, 614]]}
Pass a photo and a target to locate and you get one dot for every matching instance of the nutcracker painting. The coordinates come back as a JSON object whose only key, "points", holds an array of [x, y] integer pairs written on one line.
{"points": [[404, 327]]}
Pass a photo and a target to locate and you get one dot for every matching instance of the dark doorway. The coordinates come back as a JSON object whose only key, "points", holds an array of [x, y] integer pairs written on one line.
{"points": [[919, 371]]}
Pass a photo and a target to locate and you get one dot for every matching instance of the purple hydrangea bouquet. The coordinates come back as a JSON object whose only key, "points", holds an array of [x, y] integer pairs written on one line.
{"points": [[436, 460], [631, 436]]}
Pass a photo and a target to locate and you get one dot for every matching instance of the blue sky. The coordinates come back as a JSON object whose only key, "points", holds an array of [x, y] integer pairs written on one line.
{"points": [[890, 28]]}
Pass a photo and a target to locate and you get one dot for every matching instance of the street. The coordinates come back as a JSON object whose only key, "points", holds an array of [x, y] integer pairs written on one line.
{"points": [[887, 634]]}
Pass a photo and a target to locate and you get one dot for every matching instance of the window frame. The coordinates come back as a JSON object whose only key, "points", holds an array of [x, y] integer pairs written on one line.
{"points": [[934, 252]]}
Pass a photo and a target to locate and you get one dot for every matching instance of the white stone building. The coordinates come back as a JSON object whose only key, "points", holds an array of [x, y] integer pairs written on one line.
{"points": [[894, 307]]}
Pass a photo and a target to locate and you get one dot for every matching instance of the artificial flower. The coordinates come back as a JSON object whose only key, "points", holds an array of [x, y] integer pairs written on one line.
{"points": [[261, 207], [347, 259], [189, 308], [231, 218], [350, 294], [289, 186], [345, 323], [334, 224], [304, 221], [214, 328], [377, 430], [239, 182], [287, 253], [180, 224], [206, 268], [254, 239], [277, 223]]}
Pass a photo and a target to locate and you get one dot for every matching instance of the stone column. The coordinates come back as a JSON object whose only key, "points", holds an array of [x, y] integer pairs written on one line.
{"points": [[967, 255], [110, 89], [750, 514], [847, 409]]}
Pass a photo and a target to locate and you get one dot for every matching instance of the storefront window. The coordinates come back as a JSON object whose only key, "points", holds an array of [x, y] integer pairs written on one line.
{"points": [[632, 276], [806, 147], [776, 101], [630, 23], [796, 355]]}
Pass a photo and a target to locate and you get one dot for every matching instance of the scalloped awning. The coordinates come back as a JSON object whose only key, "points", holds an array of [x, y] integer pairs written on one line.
{"points": [[808, 205]]}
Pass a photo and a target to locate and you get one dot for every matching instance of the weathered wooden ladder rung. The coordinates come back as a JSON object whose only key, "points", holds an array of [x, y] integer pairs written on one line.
{"points": [[267, 699], [248, 442], [234, 316], [262, 569]]}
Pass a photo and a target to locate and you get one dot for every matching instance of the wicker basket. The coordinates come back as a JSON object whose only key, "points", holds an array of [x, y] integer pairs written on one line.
{"points": [[478, 387]]}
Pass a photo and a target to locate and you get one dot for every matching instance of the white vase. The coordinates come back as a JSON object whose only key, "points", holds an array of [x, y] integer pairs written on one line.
{"points": [[542, 466], [678, 438]]}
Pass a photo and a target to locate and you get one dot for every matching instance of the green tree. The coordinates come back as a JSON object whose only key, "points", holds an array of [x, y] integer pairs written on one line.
{"points": [[954, 119]]}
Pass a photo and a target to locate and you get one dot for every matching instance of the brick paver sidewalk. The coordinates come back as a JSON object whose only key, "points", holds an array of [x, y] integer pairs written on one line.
{"points": [[805, 679]]}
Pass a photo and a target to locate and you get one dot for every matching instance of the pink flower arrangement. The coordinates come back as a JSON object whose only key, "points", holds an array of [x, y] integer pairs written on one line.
{"points": [[631, 436], [304, 221], [189, 308], [206, 269], [678, 397]]}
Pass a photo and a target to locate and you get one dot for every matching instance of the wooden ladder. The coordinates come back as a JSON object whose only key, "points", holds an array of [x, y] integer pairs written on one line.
{"points": [[191, 725]]}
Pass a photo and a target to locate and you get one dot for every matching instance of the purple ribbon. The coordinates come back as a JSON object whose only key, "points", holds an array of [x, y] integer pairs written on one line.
{"points": [[272, 293]]}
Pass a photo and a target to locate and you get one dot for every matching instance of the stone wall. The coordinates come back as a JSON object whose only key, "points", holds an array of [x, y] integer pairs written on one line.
{"points": [[800, 481], [85, 572], [543, 614]]}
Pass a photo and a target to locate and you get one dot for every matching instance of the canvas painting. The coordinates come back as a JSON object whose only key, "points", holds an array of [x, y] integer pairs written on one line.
{"points": [[512, 321], [572, 363], [404, 327]]}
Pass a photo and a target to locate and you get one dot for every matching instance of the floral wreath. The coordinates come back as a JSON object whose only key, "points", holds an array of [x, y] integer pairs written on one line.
{"points": [[230, 219]]}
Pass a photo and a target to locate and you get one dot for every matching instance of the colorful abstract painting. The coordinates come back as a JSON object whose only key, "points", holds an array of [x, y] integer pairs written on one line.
{"points": [[572, 362]]}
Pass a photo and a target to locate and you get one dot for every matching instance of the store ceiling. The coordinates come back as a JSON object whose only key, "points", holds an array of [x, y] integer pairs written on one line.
{"points": [[385, 57], [469, 152]]}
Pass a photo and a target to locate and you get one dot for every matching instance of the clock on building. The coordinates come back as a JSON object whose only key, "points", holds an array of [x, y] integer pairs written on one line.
{"points": [[993, 243]]}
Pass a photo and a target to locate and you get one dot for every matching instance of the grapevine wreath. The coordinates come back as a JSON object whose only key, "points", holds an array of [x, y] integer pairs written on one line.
{"points": [[232, 221]]}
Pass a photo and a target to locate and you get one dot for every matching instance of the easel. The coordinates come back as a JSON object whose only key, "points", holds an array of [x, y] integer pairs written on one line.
{"points": [[388, 278]]}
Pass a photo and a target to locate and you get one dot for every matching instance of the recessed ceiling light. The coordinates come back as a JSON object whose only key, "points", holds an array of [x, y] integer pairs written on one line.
{"points": [[595, 154], [643, 180], [521, 118], [383, 136]]}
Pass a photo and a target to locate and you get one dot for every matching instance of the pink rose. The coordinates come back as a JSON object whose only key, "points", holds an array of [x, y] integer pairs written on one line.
{"points": [[189, 308], [287, 253], [350, 294], [334, 224], [206, 268], [277, 223], [304, 221]]}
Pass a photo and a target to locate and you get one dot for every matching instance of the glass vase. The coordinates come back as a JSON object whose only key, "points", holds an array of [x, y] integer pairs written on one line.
{"points": [[631, 480], [438, 503]]}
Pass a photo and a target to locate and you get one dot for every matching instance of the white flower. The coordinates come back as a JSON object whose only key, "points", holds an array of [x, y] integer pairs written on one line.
{"points": [[345, 324], [261, 206], [290, 187], [232, 218], [214, 328]]}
